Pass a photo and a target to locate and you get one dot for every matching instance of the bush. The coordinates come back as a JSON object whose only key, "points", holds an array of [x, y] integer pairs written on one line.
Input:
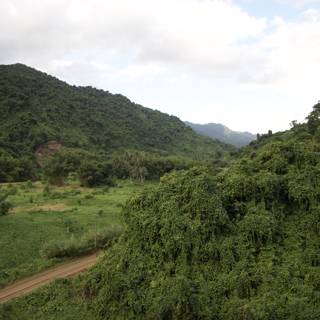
{"points": [[29, 184], [75, 247], [46, 190], [142, 166], [5, 206], [94, 173], [63, 163]]}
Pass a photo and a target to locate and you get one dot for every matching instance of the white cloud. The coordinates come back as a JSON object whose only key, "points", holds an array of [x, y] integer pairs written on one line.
{"points": [[187, 33], [142, 46]]}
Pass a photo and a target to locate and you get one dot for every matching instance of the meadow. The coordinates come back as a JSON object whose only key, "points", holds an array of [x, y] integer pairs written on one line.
{"points": [[47, 225]]}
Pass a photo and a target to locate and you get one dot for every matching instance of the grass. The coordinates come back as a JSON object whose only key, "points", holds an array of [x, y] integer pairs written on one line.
{"points": [[58, 219]]}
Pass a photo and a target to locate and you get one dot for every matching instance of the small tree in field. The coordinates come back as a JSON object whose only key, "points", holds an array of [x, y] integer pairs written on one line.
{"points": [[139, 173], [4, 205]]}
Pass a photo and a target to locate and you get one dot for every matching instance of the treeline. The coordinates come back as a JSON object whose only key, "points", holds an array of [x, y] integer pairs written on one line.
{"points": [[100, 169]]}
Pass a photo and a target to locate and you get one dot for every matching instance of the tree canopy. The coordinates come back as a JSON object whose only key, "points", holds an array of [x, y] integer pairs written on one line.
{"points": [[36, 108], [242, 244]]}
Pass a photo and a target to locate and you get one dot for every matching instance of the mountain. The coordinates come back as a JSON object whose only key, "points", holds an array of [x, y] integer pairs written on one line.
{"points": [[223, 133], [37, 108]]}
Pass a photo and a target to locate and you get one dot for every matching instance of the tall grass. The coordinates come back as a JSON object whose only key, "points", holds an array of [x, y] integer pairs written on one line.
{"points": [[75, 247]]}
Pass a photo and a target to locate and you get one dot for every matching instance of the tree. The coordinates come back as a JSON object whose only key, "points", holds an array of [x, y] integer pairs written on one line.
{"points": [[58, 167], [92, 173], [142, 173], [293, 123], [314, 118]]}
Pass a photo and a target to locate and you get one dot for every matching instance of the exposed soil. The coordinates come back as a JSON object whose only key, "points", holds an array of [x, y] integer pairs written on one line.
{"points": [[46, 150], [65, 270]]}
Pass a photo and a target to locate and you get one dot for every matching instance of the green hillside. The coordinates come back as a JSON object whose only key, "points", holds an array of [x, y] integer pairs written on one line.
{"points": [[36, 108], [243, 244]]}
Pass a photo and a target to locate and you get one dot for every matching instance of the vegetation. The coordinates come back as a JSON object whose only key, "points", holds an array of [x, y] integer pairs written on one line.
{"points": [[4, 205], [213, 240], [94, 170], [73, 247], [38, 110], [58, 223], [239, 244], [229, 247]]}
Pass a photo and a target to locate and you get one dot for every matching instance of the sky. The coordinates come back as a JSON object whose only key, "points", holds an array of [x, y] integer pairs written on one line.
{"points": [[252, 65]]}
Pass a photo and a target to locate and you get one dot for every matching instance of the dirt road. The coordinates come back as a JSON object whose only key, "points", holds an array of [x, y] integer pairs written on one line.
{"points": [[65, 270]]}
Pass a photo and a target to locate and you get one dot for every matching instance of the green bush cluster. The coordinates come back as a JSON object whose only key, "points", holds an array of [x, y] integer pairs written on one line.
{"points": [[94, 170], [143, 166], [5, 206], [14, 168], [74, 247]]}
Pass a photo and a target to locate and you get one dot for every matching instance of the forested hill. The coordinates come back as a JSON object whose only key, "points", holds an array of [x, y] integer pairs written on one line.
{"points": [[240, 244], [243, 244], [36, 108], [223, 133]]}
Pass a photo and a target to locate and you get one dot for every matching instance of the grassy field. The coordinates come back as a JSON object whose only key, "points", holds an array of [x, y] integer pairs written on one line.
{"points": [[41, 217]]}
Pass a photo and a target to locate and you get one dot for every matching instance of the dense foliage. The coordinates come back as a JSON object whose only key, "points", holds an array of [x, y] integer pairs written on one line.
{"points": [[13, 169], [147, 166], [237, 243], [96, 169], [36, 108], [240, 245]]}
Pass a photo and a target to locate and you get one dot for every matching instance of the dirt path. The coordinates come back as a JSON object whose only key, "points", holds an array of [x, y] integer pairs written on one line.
{"points": [[65, 270]]}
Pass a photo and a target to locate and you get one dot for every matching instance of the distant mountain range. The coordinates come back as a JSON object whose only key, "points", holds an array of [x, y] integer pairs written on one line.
{"points": [[223, 133]]}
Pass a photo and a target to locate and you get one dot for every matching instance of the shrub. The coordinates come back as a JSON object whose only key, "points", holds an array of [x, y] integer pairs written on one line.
{"points": [[80, 246], [4, 204], [94, 173], [46, 190], [4, 207]]}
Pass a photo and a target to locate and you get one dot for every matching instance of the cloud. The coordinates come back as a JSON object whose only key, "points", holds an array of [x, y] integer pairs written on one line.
{"points": [[187, 34], [294, 48], [212, 37], [138, 46]]}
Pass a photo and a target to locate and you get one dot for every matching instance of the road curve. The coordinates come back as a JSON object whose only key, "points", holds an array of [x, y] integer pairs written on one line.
{"points": [[65, 270]]}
